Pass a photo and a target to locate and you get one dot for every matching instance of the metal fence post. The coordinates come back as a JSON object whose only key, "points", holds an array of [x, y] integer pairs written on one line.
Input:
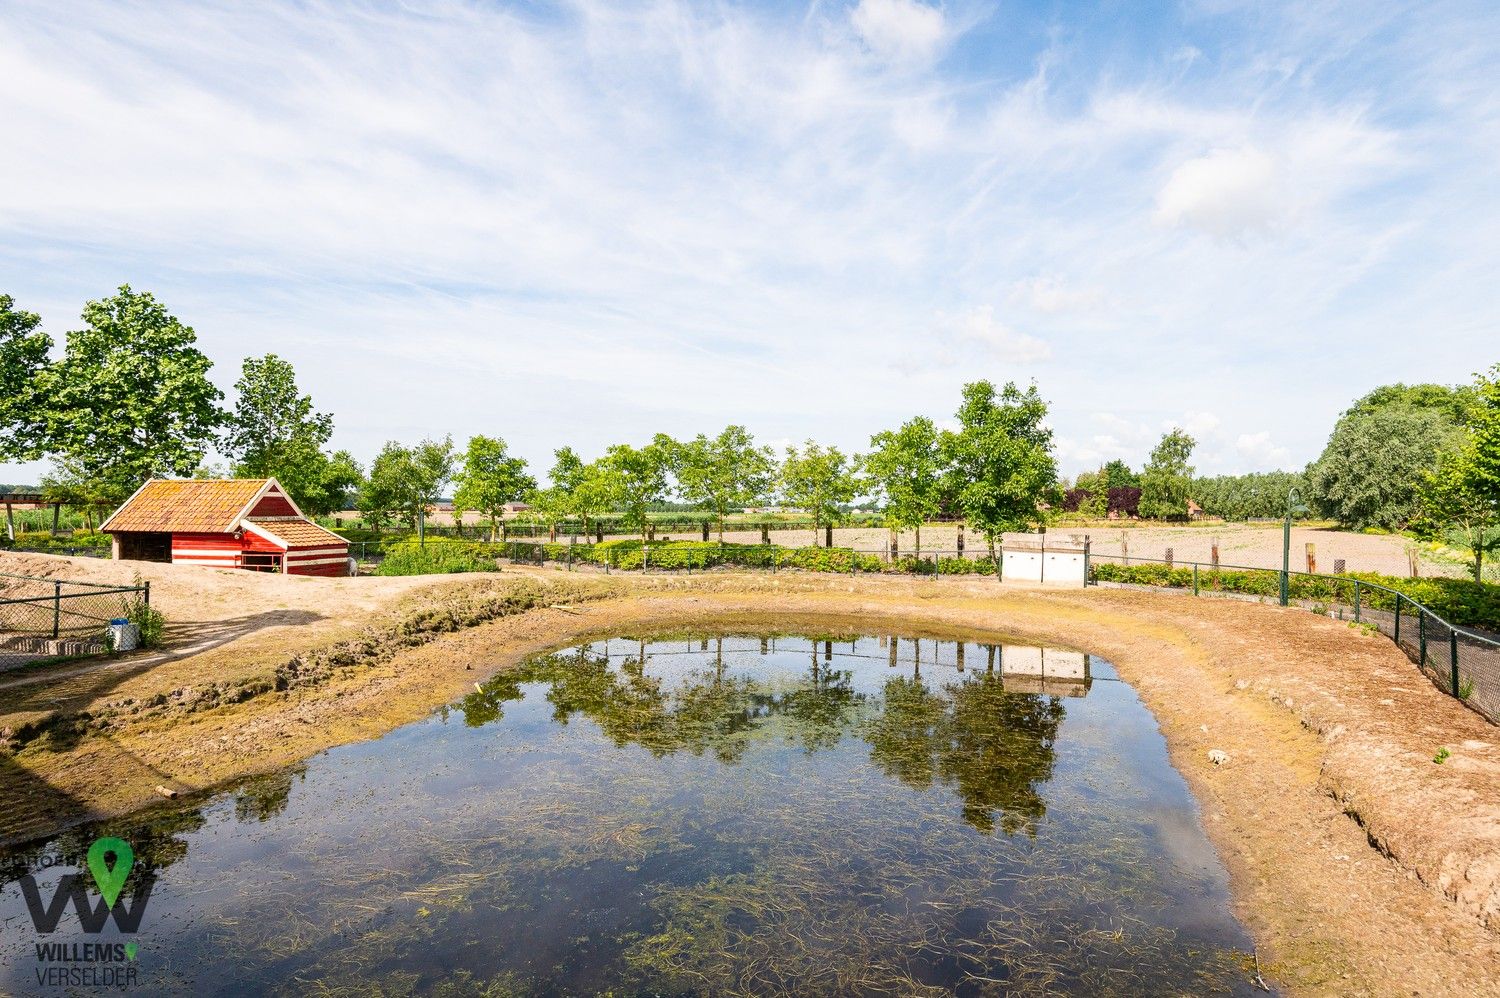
{"points": [[1453, 660], [56, 609], [1356, 601], [1195, 578], [1422, 636], [1397, 638]]}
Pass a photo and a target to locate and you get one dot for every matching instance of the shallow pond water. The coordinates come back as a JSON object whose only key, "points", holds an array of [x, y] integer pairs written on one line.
{"points": [[694, 815]]}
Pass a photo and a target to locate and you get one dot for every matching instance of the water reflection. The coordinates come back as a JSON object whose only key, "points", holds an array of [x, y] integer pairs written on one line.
{"points": [[986, 735], [735, 814]]}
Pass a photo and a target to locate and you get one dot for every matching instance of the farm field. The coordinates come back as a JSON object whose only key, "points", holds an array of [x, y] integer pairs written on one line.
{"points": [[1320, 723]]}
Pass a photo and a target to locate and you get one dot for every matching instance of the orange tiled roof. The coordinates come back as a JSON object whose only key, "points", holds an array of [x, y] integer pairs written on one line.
{"points": [[298, 533], [208, 506]]}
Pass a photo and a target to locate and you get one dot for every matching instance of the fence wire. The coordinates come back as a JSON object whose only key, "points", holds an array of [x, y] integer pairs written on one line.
{"points": [[1463, 662], [44, 619]]}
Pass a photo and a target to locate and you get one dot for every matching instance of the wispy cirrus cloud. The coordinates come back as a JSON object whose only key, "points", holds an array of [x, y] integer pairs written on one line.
{"points": [[598, 220]]}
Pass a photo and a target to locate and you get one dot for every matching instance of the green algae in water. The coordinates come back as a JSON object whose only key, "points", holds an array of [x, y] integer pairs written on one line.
{"points": [[702, 815]]}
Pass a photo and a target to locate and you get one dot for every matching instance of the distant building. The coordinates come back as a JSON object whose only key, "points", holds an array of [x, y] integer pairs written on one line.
{"points": [[248, 523]]}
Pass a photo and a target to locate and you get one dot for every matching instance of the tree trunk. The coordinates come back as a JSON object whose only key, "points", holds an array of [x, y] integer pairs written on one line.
{"points": [[918, 545]]}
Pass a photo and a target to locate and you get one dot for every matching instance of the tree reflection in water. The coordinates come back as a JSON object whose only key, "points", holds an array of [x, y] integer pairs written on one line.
{"points": [[991, 746]]}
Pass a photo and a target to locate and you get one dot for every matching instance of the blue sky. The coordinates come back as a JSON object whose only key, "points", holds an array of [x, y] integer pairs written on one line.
{"points": [[588, 222]]}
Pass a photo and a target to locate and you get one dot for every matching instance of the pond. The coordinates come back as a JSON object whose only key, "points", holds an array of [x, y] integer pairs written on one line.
{"points": [[687, 815]]}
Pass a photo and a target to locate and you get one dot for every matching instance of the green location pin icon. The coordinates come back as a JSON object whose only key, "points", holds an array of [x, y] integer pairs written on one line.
{"points": [[131, 949], [111, 879]]}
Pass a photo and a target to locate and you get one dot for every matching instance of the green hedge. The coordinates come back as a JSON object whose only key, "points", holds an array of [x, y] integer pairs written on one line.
{"points": [[43, 540], [1458, 601], [437, 557], [698, 555]]}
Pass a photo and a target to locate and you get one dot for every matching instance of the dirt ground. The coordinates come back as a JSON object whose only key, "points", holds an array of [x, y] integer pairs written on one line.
{"points": [[1359, 865]]}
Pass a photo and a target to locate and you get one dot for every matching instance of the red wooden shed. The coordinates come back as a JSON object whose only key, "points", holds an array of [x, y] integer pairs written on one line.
{"points": [[246, 523]]}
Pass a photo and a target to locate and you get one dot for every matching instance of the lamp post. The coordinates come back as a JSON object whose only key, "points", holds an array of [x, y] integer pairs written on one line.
{"points": [[1294, 504]]}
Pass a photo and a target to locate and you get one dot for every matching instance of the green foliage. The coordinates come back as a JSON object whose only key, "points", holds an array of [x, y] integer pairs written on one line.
{"points": [[46, 541], [905, 469], [578, 490], [1375, 460], [438, 556], [723, 473], [1458, 601], [490, 478], [405, 481], [131, 397], [820, 480], [1442, 755], [1258, 495], [636, 478], [146, 618], [1451, 401], [1167, 477], [1456, 495], [999, 465], [23, 403], [274, 432]]}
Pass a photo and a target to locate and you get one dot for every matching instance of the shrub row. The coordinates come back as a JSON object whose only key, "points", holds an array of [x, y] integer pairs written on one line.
{"points": [[45, 541], [1458, 601], [437, 557], [699, 555]]}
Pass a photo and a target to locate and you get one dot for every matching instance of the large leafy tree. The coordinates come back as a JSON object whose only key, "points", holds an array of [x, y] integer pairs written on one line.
{"points": [[1369, 474], [905, 469], [821, 480], [1167, 477], [636, 478], [1484, 422], [1462, 491], [131, 397], [489, 478], [405, 481], [1452, 401], [1453, 494], [723, 472], [1001, 471], [274, 432], [23, 403]]}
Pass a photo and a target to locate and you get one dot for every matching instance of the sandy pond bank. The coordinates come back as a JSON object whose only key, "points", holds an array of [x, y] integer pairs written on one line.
{"points": [[1359, 865]]}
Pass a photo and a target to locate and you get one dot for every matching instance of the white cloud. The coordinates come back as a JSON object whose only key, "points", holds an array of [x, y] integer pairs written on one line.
{"points": [[976, 335], [899, 30], [1225, 193], [625, 218], [1050, 294], [1258, 448]]}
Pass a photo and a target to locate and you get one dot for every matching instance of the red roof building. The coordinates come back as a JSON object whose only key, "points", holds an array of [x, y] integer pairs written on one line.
{"points": [[248, 523]]}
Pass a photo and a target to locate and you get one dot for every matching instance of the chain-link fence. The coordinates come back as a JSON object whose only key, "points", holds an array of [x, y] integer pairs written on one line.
{"points": [[1462, 659], [44, 619]]}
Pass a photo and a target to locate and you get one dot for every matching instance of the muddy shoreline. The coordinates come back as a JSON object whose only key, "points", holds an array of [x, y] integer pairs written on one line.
{"points": [[1358, 865]]}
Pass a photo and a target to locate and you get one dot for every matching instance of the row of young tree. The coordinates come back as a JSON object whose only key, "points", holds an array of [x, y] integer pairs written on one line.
{"points": [[130, 399], [996, 471]]}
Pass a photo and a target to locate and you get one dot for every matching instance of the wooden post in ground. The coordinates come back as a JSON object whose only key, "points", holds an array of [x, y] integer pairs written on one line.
{"points": [[1312, 558], [960, 540], [10, 523], [895, 545], [765, 535], [828, 536]]}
